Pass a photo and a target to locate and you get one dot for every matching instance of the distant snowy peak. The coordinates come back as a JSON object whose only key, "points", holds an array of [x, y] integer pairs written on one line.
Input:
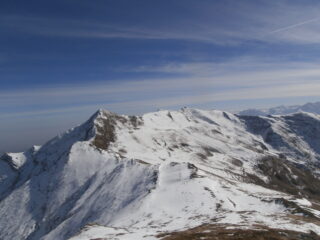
{"points": [[282, 110]]}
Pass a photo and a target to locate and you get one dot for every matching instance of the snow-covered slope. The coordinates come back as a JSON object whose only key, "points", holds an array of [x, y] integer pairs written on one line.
{"points": [[282, 110], [129, 177]]}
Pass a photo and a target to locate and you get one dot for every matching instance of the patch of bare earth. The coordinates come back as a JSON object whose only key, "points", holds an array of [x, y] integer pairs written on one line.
{"points": [[220, 232]]}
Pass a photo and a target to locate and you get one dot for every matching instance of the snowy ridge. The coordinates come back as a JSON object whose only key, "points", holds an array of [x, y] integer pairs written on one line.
{"points": [[131, 177]]}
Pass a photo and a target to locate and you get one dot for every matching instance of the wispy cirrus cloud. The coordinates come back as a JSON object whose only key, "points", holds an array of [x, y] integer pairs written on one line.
{"points": [[267, 22], [314, 20], [202, 82]]}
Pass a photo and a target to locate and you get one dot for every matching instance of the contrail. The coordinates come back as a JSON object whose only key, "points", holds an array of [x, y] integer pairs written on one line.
{"points": [[295, 25]]}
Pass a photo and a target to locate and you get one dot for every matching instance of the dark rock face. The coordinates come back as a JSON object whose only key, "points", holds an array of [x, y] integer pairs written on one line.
{"points": [[105, 133], [105, 124]]}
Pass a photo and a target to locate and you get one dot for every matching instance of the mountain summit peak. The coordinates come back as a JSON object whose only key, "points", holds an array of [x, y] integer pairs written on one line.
{"points": [[101, 113]]}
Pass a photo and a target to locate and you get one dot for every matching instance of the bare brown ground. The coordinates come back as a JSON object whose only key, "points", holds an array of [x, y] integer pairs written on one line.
{"points": [[216, 232]]}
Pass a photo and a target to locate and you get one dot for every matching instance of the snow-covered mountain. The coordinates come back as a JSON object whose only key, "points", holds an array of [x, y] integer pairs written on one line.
{"points": [[282, 110], [187, 174]]}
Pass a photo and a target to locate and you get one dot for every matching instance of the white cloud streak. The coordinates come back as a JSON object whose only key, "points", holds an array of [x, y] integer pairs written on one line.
{"points": [[203, 83], [295, 25], [264, 23]]}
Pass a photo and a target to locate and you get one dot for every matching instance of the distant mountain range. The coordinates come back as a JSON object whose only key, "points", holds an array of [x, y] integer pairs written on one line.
{"points": [[283, 110], [188, 174]]}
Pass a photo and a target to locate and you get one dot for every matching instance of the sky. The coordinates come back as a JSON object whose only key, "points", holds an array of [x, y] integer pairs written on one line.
{"points": [[61, 60]]}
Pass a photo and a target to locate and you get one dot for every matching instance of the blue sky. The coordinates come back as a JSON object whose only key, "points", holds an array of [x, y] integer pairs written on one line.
{"points": [[62, 60]]}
